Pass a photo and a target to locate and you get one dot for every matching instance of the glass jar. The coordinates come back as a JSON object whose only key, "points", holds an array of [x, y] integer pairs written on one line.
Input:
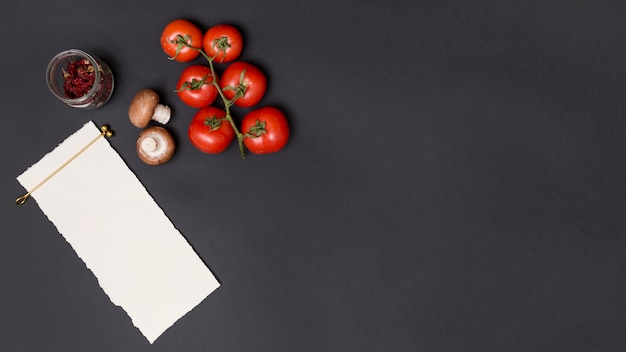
{"points": [[79, 79]]}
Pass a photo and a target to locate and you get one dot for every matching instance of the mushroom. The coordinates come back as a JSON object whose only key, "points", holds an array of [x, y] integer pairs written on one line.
{"points": [[145, 107], [155, 145]]}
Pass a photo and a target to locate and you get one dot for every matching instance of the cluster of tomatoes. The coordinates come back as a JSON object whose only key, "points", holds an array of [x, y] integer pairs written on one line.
{"points": [[241, 84]]}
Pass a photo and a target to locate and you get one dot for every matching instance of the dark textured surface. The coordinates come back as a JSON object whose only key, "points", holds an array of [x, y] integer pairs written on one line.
{"points": [[454, 179]]}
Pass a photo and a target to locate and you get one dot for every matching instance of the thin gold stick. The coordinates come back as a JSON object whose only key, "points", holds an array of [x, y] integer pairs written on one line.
{"points": [[105, 132]]}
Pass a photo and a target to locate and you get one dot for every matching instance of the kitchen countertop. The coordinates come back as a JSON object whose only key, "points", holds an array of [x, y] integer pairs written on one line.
{"points": [[454, 179]]}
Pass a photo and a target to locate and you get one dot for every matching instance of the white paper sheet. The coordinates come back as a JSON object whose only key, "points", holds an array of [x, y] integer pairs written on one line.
{"points": [[141, 261]]}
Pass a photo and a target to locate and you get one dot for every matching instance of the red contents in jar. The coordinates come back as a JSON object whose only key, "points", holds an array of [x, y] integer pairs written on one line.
{"points": [[79, 78]]}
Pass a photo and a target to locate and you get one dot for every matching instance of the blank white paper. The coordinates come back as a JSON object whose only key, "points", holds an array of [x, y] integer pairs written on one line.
{"points": [[141, 261]]}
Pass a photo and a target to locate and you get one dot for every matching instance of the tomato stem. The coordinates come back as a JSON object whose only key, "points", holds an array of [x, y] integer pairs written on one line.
{"points": [[227, 103], [194, 84], [222, 44], [181, 42]]}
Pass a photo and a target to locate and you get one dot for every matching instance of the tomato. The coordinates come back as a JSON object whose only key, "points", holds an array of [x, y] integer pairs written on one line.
{"points": [[195, 86], [181, 40], [209, 132], [223, 43], [243, 82], [266, 130]]}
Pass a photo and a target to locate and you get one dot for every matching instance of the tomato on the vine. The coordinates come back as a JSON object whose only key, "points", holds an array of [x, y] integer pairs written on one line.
{"points": [[243, 82], [181, 40], [223, 43], [209, 132], [195, 86], [265, 130]]}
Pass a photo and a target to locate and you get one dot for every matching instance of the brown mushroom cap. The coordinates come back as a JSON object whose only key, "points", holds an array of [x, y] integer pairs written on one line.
{"points": [[155, 145], [142, 107]]}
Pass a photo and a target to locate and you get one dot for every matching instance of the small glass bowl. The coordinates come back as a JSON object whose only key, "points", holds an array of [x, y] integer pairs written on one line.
{"points": [[88, 87]]}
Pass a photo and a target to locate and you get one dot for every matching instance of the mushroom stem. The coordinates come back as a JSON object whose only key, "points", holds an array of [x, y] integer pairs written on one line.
{"points": [[161, 114], [149, 144]]}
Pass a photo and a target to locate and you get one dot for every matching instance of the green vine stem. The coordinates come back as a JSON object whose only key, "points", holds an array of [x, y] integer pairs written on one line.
{"points": [[227, 102]]}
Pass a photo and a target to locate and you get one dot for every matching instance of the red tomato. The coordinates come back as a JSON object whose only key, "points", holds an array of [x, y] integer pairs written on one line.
{"points": [[243, 82], [266, 130], [209, 132], [179, 38], [223, 42], [195, 86]]}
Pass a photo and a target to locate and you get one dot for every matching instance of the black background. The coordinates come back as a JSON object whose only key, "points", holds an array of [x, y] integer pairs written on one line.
{"points": [[454, 179]]}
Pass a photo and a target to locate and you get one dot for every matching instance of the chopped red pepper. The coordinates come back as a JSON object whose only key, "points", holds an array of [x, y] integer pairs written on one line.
{"points": [[79, 78]]}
